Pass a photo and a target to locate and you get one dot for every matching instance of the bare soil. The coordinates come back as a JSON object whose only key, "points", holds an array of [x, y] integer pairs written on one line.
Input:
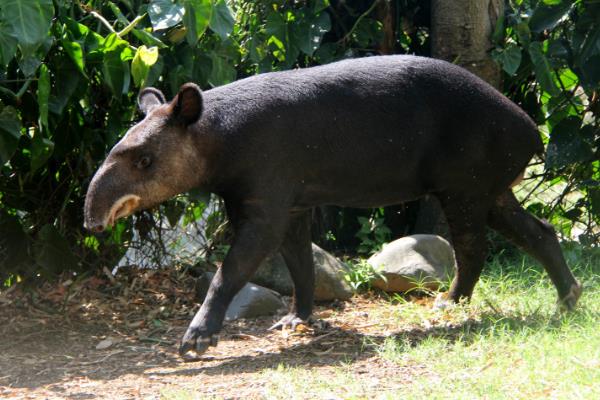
{"points": [[117, 339]]}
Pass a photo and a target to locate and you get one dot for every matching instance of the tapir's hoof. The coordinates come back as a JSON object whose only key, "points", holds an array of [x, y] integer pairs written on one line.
{"points": [[568, 302], [443, 301], [291, 322], [192, 347]]}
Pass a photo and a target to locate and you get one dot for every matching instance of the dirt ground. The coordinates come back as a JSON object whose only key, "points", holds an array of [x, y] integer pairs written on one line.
{"points": [[117, 339]]}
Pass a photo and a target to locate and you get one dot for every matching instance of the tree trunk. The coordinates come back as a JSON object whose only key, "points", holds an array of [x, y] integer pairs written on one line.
{"points": [[386, 11], [461, 33]]}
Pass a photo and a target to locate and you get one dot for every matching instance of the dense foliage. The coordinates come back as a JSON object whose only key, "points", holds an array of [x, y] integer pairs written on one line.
{"points": [[550, 52], [69, 71]]}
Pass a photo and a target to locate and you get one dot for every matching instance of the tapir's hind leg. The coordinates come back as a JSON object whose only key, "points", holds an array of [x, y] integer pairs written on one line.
{"points": [[537, 238], [296, 250], [467, 221]]}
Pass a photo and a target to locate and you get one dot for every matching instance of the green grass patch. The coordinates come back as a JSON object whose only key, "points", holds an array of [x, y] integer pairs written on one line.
{"points": [[510, 342]]}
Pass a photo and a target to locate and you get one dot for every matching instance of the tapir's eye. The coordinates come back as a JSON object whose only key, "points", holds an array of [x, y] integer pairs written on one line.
{"points": [[144, 162]]}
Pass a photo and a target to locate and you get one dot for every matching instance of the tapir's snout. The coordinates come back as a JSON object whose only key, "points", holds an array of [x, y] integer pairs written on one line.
{"points": [[108, 198]]}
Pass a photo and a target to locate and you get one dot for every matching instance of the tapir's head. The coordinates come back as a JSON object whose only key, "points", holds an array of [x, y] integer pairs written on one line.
{"points": [[155, 160]]}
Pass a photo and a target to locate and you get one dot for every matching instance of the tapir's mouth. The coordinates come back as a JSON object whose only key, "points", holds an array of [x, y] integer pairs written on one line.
{"points": [[123, 207]]}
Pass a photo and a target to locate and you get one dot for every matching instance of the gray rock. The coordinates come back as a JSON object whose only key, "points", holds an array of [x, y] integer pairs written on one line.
{"points": [[252, 301], [329, 276], [329, 279], [414, 261], [273, 273]]}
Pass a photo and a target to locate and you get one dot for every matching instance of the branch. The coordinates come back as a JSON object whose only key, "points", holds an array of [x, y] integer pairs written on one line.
{"points": [[360, 18]]}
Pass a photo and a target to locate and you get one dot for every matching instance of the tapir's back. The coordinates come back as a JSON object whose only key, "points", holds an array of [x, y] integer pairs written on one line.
{"points": [[413, 122]]}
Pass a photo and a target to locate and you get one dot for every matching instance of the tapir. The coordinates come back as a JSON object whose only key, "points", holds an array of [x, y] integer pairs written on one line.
{"points": [[367, 132]]}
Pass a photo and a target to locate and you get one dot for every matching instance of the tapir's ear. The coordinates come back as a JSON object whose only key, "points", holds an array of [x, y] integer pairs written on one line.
{"points": [[187, 106], [150, 98]]}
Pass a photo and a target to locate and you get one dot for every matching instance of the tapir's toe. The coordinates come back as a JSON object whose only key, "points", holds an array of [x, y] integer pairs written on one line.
{"points": [[291, 322], [193, 346], [568, 302], [443, 301]]}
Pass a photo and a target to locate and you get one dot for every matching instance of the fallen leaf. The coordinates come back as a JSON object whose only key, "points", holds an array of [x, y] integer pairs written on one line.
{"points": [[104, 344]]}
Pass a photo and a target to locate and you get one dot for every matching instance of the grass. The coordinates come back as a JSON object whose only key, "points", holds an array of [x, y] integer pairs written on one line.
{"points": [[508, 343]]}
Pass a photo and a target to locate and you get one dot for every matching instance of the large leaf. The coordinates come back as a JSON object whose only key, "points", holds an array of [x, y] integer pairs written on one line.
{"points": [[116, 72], [509, 58], [10, 131], [8, 44], [52, 251], [165, 13], [43, 94], [73, 49], [66, 80], [41, 150], [28, 20], [543, 71], [311, 31], [196, 18], [221, 20], [547, 17], [142, 61], [29, 60], [222, 72], [566, 145]]}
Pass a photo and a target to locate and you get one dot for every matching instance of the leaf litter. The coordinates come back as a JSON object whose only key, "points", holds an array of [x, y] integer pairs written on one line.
{"points": [[116, 337]]}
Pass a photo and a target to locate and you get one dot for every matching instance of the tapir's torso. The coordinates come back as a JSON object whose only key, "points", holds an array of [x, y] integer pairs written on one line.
{"points": [[365, 132]]}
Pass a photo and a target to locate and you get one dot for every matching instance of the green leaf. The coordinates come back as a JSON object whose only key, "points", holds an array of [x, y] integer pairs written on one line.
{"points": [[543, 72], [509, 58], [29, 60], [311, 31], [116, 72], [10, 131], [143, 60], [52, 252], [566, 146], [28, 20], [165, 13], [148, 39], [547, 17], [66, 79], [43, 93], [523, 33], [222, 71], [41, 150], [8, 44], [320, 5], [221, 20], [197, 16], [73, 49]]}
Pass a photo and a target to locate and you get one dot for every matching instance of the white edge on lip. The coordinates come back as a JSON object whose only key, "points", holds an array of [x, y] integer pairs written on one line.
{"points": [[111, 217]]}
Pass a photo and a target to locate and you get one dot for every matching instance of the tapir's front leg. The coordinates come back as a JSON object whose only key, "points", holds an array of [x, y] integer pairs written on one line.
{"points": [[255, 238]]}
